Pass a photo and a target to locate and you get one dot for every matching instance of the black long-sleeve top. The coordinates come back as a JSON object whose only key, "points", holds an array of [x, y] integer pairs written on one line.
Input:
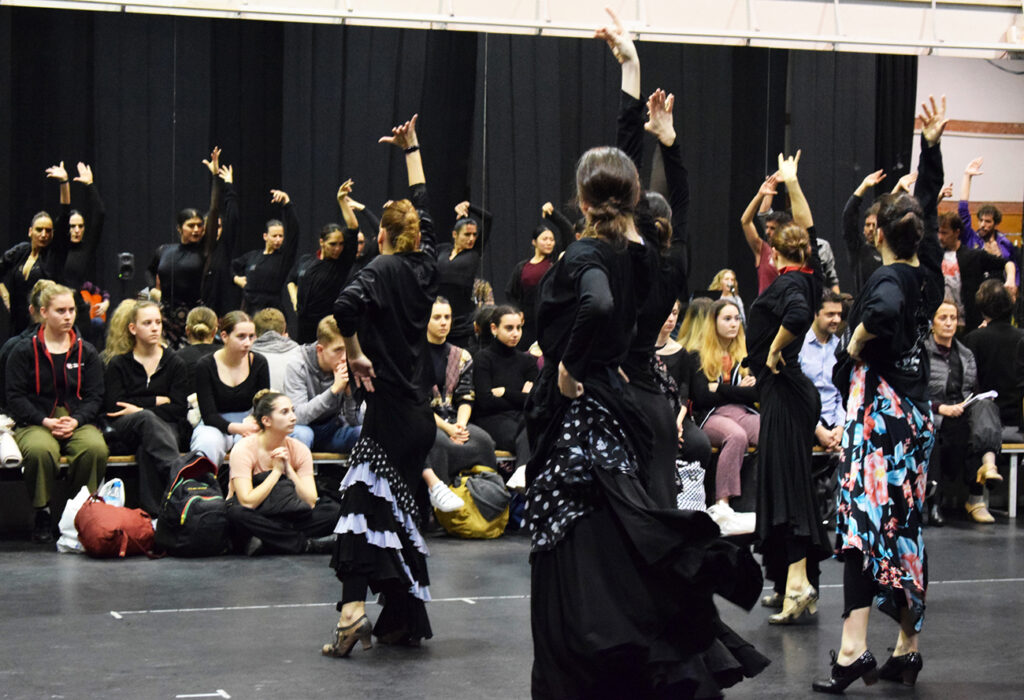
{"points": [[864, 256], [496, 366], [182, 269], [899, 300], [457, 275], [80, 263], [320, 281], [388, 303], [524, 295], [586, 312], [790, 301], [126, 381], [220, 292], [668, 275], [215, 397], [265, 274], [48, 266], [705, 400]]}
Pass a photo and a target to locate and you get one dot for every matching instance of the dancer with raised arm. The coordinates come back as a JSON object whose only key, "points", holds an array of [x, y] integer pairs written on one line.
{"points": [[889, 432], [383, 315]]}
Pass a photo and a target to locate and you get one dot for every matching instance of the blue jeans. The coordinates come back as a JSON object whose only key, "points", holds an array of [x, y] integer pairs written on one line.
{"points": [[329, 436]]}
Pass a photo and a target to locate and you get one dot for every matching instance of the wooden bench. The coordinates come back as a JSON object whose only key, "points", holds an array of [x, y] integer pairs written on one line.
{"points": [[1013, 449]]}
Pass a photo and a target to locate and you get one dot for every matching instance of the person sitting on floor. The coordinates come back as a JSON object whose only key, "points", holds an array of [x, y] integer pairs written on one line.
{"points": [[502, 378], [273, 343], [54, 392], [146, 398], [318, 385], [458, 444], [273, 504]]}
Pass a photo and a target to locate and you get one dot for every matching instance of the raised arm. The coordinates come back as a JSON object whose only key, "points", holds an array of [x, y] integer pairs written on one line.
{"points": [[929, 183], [97, 211], [630, 120], [404, 136], [797, 200], [747, 220], [213, 215], [661, 125], [563, 227], [230, 217], [968, 235], [60, 242], [290, 248]]}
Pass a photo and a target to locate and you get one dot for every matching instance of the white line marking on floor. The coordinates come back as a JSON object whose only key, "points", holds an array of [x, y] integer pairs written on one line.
{"points": [[471, 601], [941, 583], [221, 693]]}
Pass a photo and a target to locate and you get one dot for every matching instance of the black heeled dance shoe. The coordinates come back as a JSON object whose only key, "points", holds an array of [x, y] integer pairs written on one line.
{"points": [[346, 637], [902, 669], [842, 676]]}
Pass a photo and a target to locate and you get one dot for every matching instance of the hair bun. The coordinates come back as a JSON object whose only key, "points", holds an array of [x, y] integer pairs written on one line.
{"points": [[259, 395]]}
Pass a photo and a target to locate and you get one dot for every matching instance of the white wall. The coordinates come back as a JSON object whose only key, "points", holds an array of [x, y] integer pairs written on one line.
{"points": [[978, 91]]}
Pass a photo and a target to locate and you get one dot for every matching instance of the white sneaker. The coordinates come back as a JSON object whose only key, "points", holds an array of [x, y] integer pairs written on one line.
{"points": [[732, 523], [444, 499], [517, 482]]}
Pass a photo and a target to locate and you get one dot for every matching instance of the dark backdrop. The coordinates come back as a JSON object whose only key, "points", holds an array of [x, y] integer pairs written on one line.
{"points": [[503, 119]]}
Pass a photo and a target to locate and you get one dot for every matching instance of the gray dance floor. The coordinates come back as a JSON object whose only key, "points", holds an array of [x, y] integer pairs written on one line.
{"points": [[75, 627]]}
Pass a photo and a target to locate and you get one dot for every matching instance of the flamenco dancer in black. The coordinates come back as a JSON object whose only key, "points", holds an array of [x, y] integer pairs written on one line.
{"points": [[621, 592], [383, 315]]}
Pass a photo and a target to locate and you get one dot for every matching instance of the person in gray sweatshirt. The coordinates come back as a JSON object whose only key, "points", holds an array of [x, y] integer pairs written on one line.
{"points": [[273, 343], [317, 382]]}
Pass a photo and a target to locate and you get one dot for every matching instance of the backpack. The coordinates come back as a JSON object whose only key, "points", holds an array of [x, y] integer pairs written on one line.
{"points": [[485, 514], [108, 531], [193, 519]]}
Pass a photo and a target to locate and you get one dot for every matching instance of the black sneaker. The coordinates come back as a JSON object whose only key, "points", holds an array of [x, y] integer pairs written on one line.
{"points": [[42, 532]]}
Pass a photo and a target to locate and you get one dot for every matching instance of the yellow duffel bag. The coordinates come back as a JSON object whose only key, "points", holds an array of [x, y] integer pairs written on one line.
{"points": [[485, 514]]}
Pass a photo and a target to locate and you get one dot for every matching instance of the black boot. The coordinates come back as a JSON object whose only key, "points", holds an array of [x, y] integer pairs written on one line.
{"points": [[842, 676], [42, 531]]}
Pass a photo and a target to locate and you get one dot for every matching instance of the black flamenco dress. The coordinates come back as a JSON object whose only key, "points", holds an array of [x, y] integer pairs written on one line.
{"points": [[621, 602], [789, 522], [379, 546]]}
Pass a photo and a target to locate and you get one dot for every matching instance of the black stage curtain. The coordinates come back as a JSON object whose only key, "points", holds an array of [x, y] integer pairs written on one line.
{"points": [[502, 121]]}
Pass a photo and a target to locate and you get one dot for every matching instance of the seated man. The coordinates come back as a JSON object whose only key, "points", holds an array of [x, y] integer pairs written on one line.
{"points": [[999, 351], [273, 343], [318, 385], [458, 445], [817, 359]]}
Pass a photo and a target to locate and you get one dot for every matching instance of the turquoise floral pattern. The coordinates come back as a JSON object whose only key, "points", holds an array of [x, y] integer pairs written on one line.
{"points": [[882, 490]]}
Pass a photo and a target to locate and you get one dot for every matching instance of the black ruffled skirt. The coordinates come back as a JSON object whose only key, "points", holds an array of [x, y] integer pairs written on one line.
{"points": [[378, 532], [621, 590]]}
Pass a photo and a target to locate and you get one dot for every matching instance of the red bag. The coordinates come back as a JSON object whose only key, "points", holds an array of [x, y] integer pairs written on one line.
{"points": [[111, 531]]}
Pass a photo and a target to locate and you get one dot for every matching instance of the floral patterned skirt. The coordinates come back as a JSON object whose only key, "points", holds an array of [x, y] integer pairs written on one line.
{"points": [[882, 489]]}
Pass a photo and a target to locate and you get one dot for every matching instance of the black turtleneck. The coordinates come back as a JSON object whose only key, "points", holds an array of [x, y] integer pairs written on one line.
{"points": [[498, 365]]}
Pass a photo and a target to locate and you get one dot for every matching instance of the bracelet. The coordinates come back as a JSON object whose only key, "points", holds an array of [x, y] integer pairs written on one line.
{"points": [[411, 149]]}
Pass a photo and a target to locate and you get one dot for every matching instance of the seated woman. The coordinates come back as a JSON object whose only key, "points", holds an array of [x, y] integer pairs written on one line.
{"points": [[273, 505], [723, 396], [968, 438], [458, 444], [694, 445], [319, 388], [146, 396], [54, 392], [724, 281], [226, 382], [502, 378], [201, 331]]}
